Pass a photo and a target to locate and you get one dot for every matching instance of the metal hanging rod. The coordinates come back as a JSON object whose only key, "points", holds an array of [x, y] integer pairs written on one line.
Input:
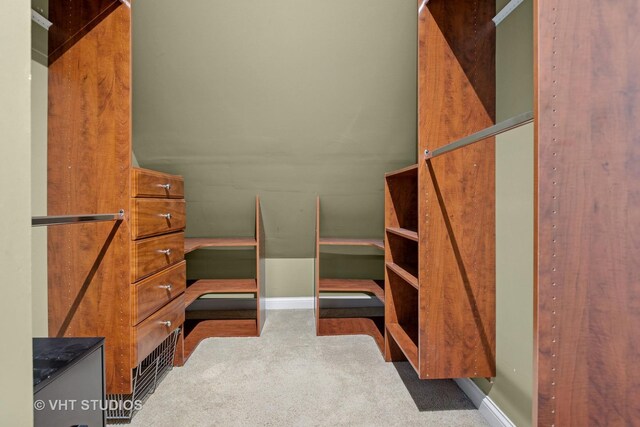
{"points": [[506, 11], [40, 221], [494, 130], [40, 20]]}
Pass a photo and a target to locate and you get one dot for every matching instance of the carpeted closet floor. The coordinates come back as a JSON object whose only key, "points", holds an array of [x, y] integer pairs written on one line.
{"points": [[290, 377]]}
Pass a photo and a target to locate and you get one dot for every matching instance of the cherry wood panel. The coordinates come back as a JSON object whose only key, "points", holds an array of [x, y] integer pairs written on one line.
{"points": [[260, 269], [408, 277], [217, 328], [351, 326], [89, 149], [149, 256], [587, 309], [334, 241], [156, 291], [149, 183], [345, 325], [401, 202], [403, 232], [151, 332], [193, 243], [151, 217], [218, 286], [72, 20], [402, 340], [353, 285], [409, 171], [456, 209]]}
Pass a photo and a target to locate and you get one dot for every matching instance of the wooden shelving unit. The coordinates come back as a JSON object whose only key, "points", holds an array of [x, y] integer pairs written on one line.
{"points": [[329, 325], [440, 213], [199, 326]]}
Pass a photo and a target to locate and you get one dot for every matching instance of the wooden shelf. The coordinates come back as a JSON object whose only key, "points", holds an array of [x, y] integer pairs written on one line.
{"points": [[403, 232], [331, 241], [193, 243], [352, 285], [408, 171], [409, 277], [218, 286], [405, 343]]}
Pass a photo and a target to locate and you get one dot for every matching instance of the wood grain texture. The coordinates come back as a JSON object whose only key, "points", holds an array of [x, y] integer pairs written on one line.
{"points": [[219, 286], [89, 148], [151, 332], [193, 243], [587, 310], [456, 209], [316, 278], [73, 19], [345, 325], [403, 232], [336, 241], [405, 275], [260, 269], [351, 326], [150, 217], [353, 285], [149, 183], [406, 344], [152, 293], [147, 256], [217, 328]]}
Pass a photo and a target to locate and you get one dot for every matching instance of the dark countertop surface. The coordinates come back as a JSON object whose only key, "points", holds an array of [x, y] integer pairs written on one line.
{"points": [[52, 356]]}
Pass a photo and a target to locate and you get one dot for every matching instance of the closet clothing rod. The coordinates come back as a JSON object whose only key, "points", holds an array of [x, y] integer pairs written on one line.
{"points": [[494, 130], [39, 221]]}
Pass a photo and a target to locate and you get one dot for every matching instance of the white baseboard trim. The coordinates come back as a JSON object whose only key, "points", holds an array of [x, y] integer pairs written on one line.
{"points": [[289, 303], [487, 407]]}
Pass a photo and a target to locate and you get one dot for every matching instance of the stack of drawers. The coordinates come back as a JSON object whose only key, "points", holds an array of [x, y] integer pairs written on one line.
{"points": [[158, 269]]}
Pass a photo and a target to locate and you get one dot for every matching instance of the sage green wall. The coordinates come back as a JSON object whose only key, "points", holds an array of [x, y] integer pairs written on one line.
{"points": [[39, 105], [287, 99], [512, 387], [16, 392]]}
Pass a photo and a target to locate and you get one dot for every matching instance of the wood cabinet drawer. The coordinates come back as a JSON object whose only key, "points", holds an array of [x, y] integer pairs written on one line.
{"points": [[148, 183], [156, 216], [155, 253], [151, 332], [155, 291]]}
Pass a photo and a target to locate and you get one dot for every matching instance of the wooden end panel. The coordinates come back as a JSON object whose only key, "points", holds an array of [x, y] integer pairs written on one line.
{"points": [[456, 91], [218, 328], [316, 276], [351, 326], [151, 255], [149, 183], [154, 292], [89, 149], [151, 217], [261, 295], [587, 272], [150, 333]]}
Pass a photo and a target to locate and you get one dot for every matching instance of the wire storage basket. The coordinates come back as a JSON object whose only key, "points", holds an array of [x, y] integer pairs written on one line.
{"points": [[146, 377]]}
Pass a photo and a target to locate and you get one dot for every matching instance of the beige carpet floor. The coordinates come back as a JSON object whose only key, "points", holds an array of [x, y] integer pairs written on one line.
{"points": [[290, 377]]}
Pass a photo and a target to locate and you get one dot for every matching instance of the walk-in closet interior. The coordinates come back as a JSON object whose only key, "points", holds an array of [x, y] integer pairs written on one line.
{"points": [[345, 212]]}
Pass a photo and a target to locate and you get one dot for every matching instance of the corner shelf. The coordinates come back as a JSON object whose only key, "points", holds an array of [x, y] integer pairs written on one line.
{"points": [[404, 342], [332, 324], [330, 241], [225, 323], [193, 243], [409, 277], [403, 232]]}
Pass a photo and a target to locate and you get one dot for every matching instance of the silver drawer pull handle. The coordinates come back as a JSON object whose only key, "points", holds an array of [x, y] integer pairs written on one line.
{"points": [[166, 323], [167, 215], [165, 186], [167, 286], [165, 251]]}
